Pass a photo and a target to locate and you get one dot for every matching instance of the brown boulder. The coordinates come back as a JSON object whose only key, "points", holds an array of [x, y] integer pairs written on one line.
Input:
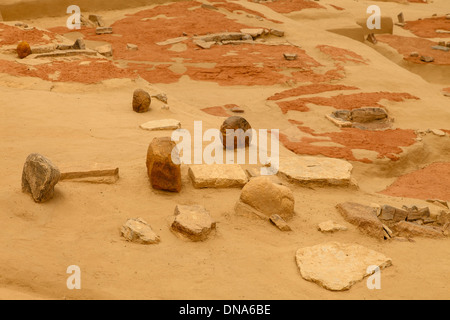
{"points": [[23, 49], [141, 101], [239, 137], [163, 173], [364, 217], [39, 177]]}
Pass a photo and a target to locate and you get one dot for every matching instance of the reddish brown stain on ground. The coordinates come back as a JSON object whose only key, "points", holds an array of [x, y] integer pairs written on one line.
{"points": [[406, 45], [346, 102], [13, 35], [426, 28], [232, 7], [216, 111], [341, 55], [431, 182], [287, 6], [310, 89], [337, 8], [447, 89], [386, 143]]}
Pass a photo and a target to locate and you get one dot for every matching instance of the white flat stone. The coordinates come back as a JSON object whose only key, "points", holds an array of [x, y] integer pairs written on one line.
{"points": [[164, 124], [217, 175], [330, 226], [253, 32], [171, 41], [316, 170], [337, 266], [137, 230]]}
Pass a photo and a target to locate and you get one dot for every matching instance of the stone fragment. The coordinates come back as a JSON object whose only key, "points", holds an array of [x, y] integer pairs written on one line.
{"points": [[388, 231], [141, 101], [442, 48], [330, 226], [440, 203], [225, 36], [237, 110], [172, 41], [426, 59], [97, 20], [279, 222], [107, 176], [132, 47], [443, 218], [338, 266], [193, 222], [79, 45], [409, 229], [290, 56], [23, 49], [163, 165], [139, 231], [217, 176], [63, 53], [389, 213], [401, 18], [39, 177], [414, 54], [319, 171], [442, 31], [277, 33], [364, 217], [268, 198], [416, 214], [368, 114], [372, 39], [104, 30], [208, 6], [161, 97], [438, 132], [163, 124], [235, 133], [105, 50], [204, 44], [253, 32]]}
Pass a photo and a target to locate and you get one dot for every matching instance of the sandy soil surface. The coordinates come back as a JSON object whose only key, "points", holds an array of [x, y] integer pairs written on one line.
{"points": [[77, 112]]}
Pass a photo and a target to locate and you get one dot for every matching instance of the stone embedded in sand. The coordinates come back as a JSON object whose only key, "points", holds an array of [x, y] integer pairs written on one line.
{"points": [[410, 229], [253, 32], [389, 213], [193, 222], [105, 50], [104, 30], [338, 266], [371, 38], [239, 133], [268, 198], [164, 124], [163, 173], [438, 132], [279, 222], [161, 97], [415, 213], [440, 203], [132, 47], [414, 54], [23, 49], [237, 110], [39, 177], [290, 56], [426, 59], [368, 114], [107, 176], [316, 170], [79, 45], [208, 6], [97, 20], [364, 217], [442, 48], [203, 44], [330, 226], [171, 41], [217, 176], [277, 33], [225, 36], [139, 231], [141, 101]]}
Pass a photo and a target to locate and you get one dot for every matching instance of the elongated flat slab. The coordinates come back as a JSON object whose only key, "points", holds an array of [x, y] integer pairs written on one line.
{"points": [[217, 175], [315, 170], [164, 124], [338, 266], [107, 176]]}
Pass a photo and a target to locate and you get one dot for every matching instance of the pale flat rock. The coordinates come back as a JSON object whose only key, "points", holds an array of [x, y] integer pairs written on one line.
{"points": [[193, 222], [204, 44], [438, 132], [102, 175], [409, 229], [137, 230], [164, 124], [105, 50], [330, 226], [253, 32], [217, 175], [62, 53], [337, 266], [171, 41], [315, 170]]}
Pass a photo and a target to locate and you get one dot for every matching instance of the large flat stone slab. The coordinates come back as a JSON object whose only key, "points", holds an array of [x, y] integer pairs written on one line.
{"points": [[364, 217], [337, 266], [164, 124], [317, 171], [217, 176]]}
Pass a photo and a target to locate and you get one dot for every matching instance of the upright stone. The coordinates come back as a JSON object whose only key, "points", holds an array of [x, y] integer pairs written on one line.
{"points": [[141, 101], [163, 172], [39, 177]]}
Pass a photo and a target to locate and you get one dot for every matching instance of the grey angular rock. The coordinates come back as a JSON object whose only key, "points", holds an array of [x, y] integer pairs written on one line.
{"points": [[39, 177], [338, 266], [139, 231], [193, 222]]}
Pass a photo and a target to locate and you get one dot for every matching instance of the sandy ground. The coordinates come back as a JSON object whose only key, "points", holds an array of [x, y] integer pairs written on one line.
{"points": [[75, 121]]}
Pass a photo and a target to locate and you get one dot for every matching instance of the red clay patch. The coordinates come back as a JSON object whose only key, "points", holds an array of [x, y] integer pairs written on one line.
{"points": [[342, 55], [406, 45], [386, 143], [13, 35], [309, 89], [426, 28], [232, 7], [431, 182], [216, 111], [347, 102], [287, 6]]}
